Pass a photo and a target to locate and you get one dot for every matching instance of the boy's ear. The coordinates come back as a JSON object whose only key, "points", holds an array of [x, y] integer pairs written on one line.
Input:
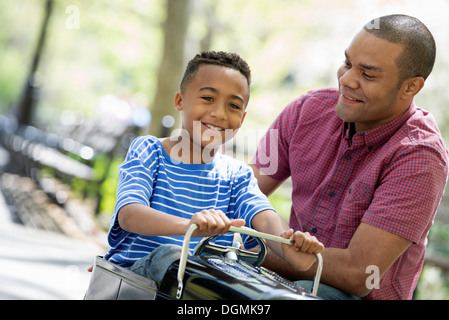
{"points": [[178, 101]]}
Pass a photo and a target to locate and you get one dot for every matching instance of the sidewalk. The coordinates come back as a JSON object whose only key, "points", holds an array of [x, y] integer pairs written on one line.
{"points": [[36, 264]]}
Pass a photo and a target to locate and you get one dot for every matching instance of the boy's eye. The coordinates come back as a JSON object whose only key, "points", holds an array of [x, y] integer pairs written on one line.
{"points": [[234, 106], [210, 99]]}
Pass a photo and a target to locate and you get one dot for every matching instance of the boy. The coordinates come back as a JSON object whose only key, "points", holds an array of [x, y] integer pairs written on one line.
{"points": [[168, 184]]}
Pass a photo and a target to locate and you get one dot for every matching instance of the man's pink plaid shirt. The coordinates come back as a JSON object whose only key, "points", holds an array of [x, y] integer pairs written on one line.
{"points": [[392, 177]]}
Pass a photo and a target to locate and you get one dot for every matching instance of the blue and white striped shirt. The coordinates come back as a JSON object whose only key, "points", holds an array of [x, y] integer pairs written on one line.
{"points": [[151, 177]]}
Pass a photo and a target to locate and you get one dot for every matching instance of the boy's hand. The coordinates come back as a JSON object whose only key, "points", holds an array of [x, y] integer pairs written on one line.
{"points": [[301, 254], [211, 222]]}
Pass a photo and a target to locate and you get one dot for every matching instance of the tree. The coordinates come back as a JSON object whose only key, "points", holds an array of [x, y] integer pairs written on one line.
{"points": [[171, 66], [28, 100]]}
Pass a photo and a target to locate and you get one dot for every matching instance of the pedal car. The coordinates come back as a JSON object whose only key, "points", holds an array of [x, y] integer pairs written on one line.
{"points": [[213, 272]]}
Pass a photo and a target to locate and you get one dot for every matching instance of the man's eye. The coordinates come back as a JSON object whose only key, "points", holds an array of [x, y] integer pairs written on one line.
{"points": [[368, 76]]}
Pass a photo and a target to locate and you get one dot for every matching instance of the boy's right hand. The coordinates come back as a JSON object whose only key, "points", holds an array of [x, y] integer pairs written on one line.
{"points": [[211, 222]]}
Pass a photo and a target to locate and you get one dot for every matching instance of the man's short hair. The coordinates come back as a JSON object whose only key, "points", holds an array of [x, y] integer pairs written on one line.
{"points": [[418, 56], [224, 59]]}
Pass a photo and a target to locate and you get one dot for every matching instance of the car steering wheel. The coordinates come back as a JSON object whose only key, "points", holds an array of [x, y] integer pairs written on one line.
{"points": [[206, 246], [254, 258]]}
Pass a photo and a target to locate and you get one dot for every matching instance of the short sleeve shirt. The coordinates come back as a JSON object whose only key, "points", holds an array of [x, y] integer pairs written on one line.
{"points": [[391, 177], [149, 176]]}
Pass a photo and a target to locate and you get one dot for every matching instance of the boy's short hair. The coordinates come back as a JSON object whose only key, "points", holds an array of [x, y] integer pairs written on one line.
{"points": [[220, 58]]}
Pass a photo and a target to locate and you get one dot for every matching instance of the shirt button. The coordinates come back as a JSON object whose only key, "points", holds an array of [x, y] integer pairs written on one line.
{"points": [[314, 230], [348, 157], [331, 194]]}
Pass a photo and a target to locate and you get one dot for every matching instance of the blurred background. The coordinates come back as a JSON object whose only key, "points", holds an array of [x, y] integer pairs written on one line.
{"points": [[80, 79]]}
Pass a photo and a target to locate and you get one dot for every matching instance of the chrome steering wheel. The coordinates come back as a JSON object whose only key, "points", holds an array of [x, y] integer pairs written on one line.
{"points": [[213, 248], [255, 258]]}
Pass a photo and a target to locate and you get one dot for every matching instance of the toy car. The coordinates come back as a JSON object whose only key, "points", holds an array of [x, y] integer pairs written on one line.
{"points": [[213, 272]]}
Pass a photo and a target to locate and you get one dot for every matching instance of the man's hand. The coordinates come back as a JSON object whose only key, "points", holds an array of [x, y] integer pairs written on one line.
{"points": [[211, 222], [300, 255]]}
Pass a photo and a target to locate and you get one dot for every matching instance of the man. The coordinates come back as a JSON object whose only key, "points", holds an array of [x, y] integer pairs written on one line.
{"points": [[368, 167]]}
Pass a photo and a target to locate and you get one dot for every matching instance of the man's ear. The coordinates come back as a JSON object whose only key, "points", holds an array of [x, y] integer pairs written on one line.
{"points": [[412, 86], [178, 101]]}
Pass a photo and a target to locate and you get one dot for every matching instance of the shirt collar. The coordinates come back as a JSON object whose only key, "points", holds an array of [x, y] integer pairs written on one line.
{"points": [[374, 138]]}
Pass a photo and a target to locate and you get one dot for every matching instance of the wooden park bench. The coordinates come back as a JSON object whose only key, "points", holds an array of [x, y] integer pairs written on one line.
{"points": [[63, 162]]}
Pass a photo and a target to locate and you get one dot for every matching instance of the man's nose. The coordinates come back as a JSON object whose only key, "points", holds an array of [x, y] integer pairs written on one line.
{"points": [[349, 79]]}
